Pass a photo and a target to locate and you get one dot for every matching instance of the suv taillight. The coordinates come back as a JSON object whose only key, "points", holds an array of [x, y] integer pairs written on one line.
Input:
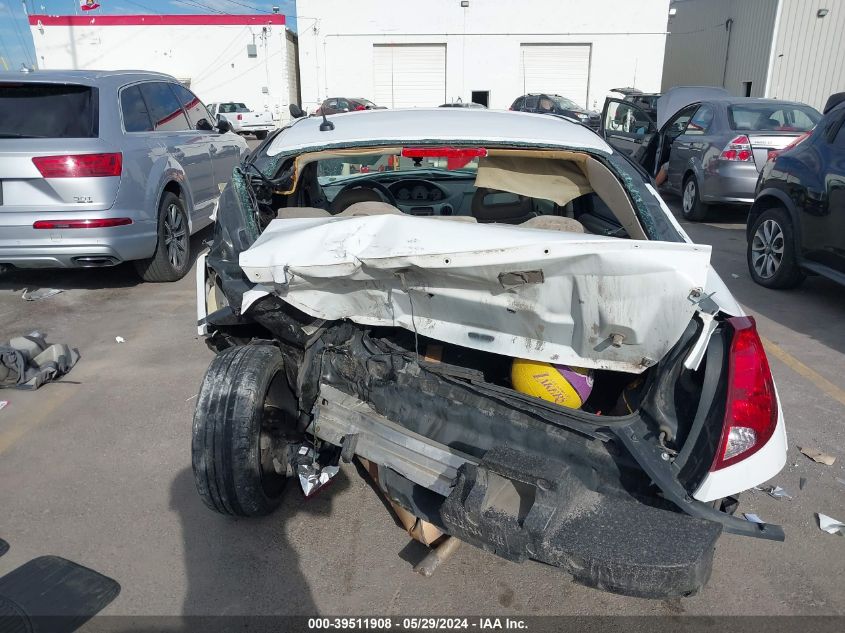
{"points": [[739, 149], [240, 117], [79, 165], [751, 410]]}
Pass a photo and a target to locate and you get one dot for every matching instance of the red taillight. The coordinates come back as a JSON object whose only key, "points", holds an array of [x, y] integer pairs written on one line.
{"points": [[80, 165], [751, 411], [456, 157], [240, 117], [81, 224], [739, 149], [773, 153], [360, 107]]}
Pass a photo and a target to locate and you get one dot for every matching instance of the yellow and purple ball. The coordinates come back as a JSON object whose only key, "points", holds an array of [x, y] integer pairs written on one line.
{"points": [[561, 384]]}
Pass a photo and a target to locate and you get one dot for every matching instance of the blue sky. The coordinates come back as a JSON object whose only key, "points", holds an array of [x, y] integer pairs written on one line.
{"points": [[16, 42]]}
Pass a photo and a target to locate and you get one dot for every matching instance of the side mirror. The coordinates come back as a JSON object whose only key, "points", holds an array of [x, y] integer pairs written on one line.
{"points": [[295, 111], [223, 125], [204, 125]]}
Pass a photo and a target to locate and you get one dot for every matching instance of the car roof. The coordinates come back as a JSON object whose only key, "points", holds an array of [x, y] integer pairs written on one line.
{"points": [[435, 125], [81, 76]]}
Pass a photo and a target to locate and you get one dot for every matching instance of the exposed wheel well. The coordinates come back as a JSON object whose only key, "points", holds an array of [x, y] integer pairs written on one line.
{"points": [[688, 173], [760, 205], [174, 188]]}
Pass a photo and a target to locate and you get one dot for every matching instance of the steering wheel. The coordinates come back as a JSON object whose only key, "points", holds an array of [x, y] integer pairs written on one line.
{"points": [[363, 190]]}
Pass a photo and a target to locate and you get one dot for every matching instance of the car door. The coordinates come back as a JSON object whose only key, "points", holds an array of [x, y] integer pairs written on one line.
{"points": [[190, 148], [626, 127], [693, 137], [673, 154], [224, 148], [835, 197]]}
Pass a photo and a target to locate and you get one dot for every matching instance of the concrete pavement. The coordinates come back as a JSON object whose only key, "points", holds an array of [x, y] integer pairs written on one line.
{"points": [[96, 468]]}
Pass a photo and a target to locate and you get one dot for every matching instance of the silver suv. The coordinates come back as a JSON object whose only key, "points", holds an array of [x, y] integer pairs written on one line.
{"points": [[99, 168]]}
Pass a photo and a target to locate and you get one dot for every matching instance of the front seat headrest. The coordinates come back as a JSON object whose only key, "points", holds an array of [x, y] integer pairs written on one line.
{"points": [[490, 205]]}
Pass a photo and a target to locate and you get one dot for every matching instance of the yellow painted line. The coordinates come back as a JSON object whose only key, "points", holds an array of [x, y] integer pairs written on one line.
{"points": [[837, 393]]}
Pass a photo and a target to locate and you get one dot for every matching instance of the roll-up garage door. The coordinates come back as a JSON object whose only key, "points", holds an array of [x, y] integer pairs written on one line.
{"points": [[562, 69], [409, 75]]}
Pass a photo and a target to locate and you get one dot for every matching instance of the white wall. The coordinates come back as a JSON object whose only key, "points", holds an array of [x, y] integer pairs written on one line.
{"points": [[808, 61], [213, 57], [336, 40]]}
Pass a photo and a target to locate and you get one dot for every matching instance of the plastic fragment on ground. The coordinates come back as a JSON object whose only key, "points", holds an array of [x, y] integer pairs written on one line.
{"points": [[119, 339], [817, 456], [39, 293], [3, 404], [830, 525], [777, 492], [750, 516]]}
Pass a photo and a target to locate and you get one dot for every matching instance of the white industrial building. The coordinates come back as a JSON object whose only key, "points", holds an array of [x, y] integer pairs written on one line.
{"points": [[785, 49], [244, 58], [404, 54]]}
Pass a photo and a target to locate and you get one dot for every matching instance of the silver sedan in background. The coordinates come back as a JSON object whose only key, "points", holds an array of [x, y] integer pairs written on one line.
{"points": [[98, 168], [713, 145]]}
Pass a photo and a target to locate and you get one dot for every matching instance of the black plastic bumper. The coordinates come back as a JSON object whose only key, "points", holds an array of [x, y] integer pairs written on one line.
{"points": [[518, 506]]}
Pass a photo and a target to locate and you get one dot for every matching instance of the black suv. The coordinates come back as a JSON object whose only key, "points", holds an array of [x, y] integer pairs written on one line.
{"points": [[797, 223], [541, 103]]}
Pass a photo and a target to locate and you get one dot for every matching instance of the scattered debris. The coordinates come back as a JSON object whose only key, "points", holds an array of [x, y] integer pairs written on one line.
{"points": [[801, 483], [830, 525], [39, 293], [777, 492], [750, 516], [27, 362], [436, 556], [817, 456], [191, 398], [3, 404], [119, 339], [312, 476], [734, 275]]}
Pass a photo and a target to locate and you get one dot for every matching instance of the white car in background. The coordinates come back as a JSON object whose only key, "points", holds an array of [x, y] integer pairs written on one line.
{"points": [[242, 119], [388, 313]]}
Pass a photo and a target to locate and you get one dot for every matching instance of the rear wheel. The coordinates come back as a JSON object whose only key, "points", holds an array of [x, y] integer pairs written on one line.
{"points": [[692, 207], [172, 258], [238, 451], [771, 251]]}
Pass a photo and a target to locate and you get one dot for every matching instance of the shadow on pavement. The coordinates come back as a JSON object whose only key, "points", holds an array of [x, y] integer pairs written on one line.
{"points": [[246, 566], [120, 276]]}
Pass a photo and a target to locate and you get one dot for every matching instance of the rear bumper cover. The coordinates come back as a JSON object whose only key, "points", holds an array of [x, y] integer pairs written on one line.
{"points": [[520, 504], [25, 247]]}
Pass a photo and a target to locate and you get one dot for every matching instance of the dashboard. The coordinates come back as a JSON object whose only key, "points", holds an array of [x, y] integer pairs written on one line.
{"points": [[412, 191]]}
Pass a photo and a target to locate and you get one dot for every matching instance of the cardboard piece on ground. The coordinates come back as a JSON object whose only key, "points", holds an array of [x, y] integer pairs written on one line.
{"points": [[418, 529], [817, 456]]}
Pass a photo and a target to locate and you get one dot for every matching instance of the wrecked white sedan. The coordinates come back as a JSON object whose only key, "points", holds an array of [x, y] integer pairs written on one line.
{"points": [[498, 313]]}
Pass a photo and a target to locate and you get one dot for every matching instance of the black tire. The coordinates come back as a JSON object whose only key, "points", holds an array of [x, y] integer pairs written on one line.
{"points": [[172, 258], [241, 385], [692, 208], [771, 251], [261, 135]]}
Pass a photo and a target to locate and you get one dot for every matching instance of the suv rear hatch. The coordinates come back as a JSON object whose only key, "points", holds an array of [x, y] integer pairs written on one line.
{"points": [[51, 157]]}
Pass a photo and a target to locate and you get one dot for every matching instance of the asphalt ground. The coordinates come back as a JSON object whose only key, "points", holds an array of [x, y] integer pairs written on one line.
{"points": [[96, 468]]}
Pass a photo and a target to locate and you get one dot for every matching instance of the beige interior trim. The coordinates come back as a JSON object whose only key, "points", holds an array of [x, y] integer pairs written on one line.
{"points": [[546, 178], [609, 189]]}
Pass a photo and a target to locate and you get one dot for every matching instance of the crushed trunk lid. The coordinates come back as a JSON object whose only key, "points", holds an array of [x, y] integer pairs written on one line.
{"points": [[567, 298]]}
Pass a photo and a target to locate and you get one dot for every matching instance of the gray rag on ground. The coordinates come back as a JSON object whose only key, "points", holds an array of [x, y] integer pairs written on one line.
{"points": [[27, 362]]}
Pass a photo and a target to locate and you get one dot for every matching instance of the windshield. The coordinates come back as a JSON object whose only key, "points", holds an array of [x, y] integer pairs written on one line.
{"points": [[331, 170], [233, 107], [365, 102], [565, 104], [33, 110], [759, 117]]}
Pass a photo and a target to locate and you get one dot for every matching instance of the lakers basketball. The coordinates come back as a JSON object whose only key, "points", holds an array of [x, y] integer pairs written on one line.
{"points": [[561, 384]]}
